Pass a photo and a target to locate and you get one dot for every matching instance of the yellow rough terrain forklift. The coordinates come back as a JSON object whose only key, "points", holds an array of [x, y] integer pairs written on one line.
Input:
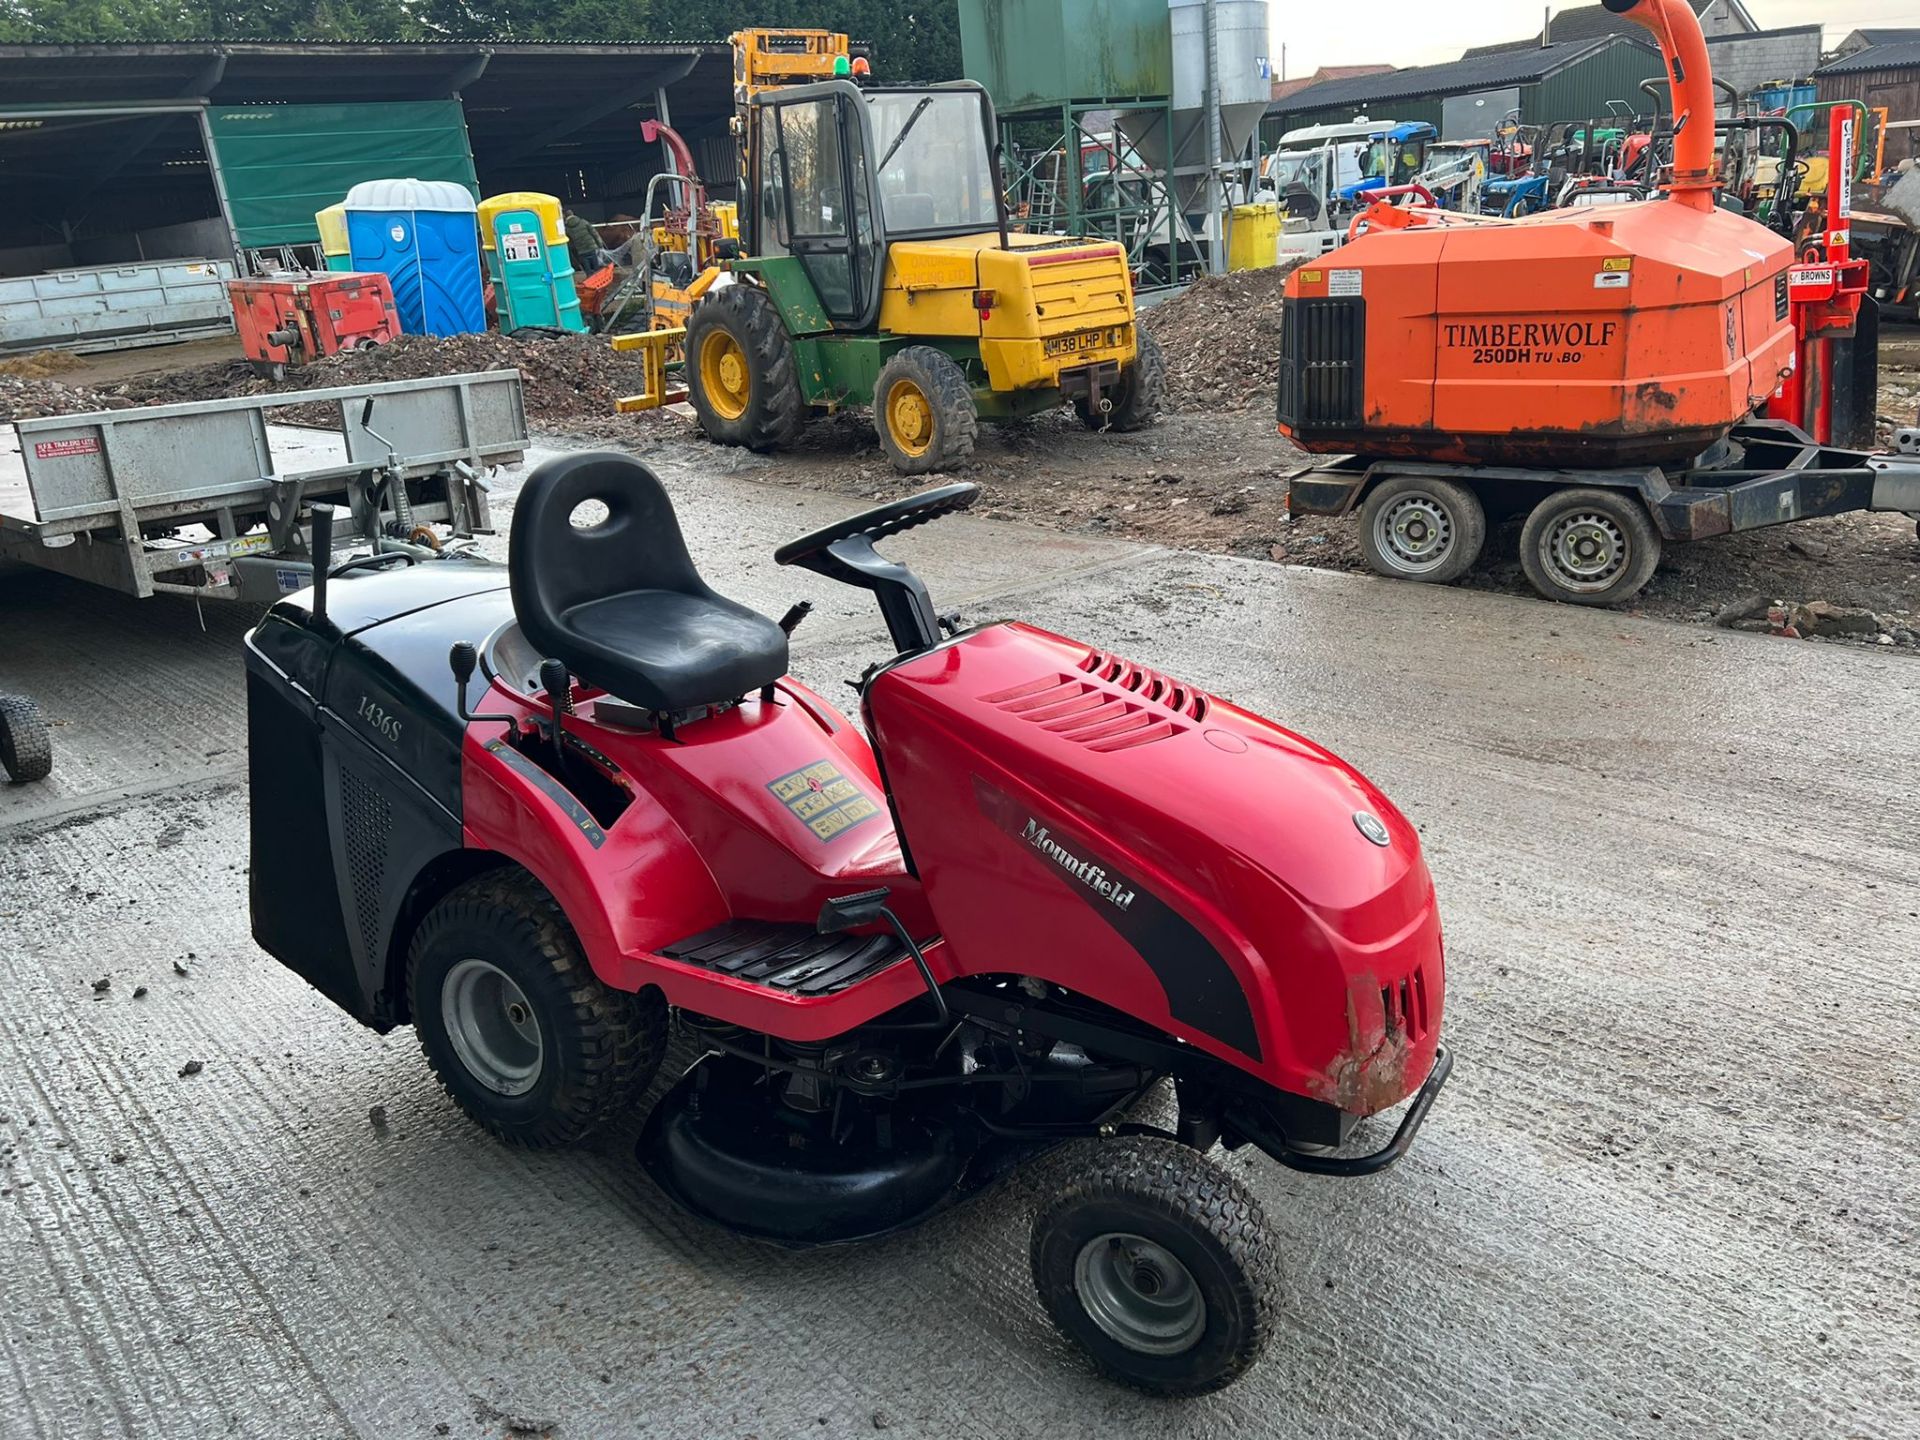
{"points": [[879, 267]]}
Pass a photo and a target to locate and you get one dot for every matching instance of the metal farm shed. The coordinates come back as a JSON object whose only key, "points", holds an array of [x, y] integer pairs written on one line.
{"points": [[1883, 75], [1465, 99]]}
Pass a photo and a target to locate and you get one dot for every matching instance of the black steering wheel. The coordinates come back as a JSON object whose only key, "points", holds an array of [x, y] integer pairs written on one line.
{"points": [[875, 524]]}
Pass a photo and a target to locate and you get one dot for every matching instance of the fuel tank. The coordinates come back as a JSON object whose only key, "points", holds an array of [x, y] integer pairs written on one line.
{"points": [[1082, 819], [1615, 335]]}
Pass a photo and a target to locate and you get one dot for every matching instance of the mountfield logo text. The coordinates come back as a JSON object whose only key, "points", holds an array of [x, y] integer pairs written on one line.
{"points": [[1085, 871]]}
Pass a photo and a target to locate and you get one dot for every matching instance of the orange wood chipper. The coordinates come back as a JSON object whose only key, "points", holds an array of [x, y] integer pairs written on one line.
{"points": [[1620, 374], [290, 317]]}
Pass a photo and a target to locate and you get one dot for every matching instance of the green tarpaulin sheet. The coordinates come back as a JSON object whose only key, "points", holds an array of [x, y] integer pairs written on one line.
{"points": [[281, 163]]}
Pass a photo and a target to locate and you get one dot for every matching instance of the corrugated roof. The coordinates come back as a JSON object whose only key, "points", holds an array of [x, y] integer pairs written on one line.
{"points": [[1587, 22], [1456, 77], [1901, 56]]}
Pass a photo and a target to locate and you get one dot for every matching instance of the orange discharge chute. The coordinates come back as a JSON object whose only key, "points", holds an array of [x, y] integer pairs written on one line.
{"points": [[1623, 334]]}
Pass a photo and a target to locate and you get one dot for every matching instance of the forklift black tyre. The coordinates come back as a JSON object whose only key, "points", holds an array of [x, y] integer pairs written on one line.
{"points": [[516, 1026], [741, 374], [1413, 527], [1136, 399], [924, 411], [26, 747], [1589, 546], [1158, 1263]]}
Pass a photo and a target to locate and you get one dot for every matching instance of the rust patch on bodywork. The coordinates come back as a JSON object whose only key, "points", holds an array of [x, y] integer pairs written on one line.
{"points": [[1371, 1073]]}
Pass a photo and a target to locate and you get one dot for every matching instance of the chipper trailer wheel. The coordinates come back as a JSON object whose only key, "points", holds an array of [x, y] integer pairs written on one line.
{"points": [[1413, 527], [924, 411], [741, 374], [1589, 547], [26, 747], [522, 1035], [1157, 1262], [1135, 401]]}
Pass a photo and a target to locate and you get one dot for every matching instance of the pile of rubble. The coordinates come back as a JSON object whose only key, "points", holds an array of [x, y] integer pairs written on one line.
{"points": [[27, 397], [1221, 339], [567, 375], [1820, 620]]}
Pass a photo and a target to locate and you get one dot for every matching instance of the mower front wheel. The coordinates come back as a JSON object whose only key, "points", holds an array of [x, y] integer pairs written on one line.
{"points": [[1589, 546], [1157, 1263], [519, 1030], [924, 411], [1413, 527]]}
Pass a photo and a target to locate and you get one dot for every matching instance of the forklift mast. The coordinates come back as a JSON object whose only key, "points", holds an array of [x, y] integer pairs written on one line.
{"points": [[770, 60]]}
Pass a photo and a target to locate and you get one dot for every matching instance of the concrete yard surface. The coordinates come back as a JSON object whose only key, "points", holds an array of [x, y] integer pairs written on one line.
{"points": [[1669, 1190]]}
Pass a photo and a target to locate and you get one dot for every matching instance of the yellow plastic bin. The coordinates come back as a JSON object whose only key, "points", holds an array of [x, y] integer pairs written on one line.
{"points": [[1255, 241], [333, 237]]}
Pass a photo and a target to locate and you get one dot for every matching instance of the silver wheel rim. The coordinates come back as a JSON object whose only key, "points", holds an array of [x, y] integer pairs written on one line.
{"points": [[1140, 1294], [1415, 534], [1584, 550], [492, 1027]]}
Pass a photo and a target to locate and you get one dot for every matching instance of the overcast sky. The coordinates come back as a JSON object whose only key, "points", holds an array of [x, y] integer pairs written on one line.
{"points": [[1421, 32]]}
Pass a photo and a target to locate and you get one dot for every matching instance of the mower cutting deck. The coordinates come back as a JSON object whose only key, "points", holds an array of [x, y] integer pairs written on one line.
{"points": [[1050, 881]]}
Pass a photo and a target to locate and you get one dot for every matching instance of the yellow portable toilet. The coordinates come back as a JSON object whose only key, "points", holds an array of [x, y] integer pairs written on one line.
{"points": [[524, 237], [333, 236]]}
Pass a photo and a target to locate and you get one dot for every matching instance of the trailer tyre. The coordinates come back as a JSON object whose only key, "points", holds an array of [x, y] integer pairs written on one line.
{"points": [[923, 409], [1416, 528], [1157, 1262], [26, 746], [1137, 398], [742, 377], [519, 1030], [1589, 546]]}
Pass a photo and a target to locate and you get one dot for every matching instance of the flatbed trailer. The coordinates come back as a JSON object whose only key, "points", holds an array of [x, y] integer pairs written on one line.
{"points": [[214, 500]]}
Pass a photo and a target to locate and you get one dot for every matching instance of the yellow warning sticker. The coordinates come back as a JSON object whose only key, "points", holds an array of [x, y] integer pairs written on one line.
{"points": [[1617, 262], [823, 799], [1311, 277]]}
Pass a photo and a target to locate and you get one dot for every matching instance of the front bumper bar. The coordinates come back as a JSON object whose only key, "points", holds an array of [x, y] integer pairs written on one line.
{"points": [[1348, 1166]]}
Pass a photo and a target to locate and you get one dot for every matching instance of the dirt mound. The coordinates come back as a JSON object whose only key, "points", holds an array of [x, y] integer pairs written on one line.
{"points": [[39, 364], [1221, 337], [567, 375]]}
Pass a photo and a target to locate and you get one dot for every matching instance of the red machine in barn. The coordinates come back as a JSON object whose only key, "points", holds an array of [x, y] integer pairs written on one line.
{"points": [[292, 317]]}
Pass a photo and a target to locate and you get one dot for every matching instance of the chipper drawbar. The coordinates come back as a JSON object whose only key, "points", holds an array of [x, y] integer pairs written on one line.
{"points": [[572, 804]]}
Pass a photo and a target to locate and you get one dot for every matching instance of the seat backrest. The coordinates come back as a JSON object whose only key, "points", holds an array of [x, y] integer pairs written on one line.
{"points": [[556, 564]]}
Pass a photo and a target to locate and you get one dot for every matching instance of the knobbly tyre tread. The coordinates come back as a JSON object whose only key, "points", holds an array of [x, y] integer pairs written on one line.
{"points": [[1144, 389], [616, 1039], [956, 421], [775, 407], [26, 745], [1175, 1182]]}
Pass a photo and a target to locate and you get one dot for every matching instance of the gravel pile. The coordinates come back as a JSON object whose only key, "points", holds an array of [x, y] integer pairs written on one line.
{"points": [[25, 397], [1221, 338]]}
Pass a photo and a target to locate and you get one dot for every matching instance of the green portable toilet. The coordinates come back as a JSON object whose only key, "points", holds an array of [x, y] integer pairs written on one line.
{"points": [[525, 240]]}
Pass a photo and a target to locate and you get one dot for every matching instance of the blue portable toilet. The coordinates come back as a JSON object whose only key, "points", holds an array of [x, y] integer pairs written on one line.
{"points": [[424, 236]]}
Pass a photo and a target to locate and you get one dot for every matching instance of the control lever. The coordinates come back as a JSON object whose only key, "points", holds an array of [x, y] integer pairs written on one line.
{"points": [[559, 687], [463, 659], [841, 913], [321, 553], [790, 621]]}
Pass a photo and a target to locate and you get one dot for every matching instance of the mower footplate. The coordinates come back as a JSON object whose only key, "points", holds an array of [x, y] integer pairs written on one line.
{"points": [[794, 958]]}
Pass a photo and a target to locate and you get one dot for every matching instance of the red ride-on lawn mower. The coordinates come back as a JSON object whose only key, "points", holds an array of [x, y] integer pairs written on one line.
{"points": [[1049, 881]]}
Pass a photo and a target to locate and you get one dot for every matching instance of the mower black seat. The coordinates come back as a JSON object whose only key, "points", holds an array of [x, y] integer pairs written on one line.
{"points": [[619, 602]]}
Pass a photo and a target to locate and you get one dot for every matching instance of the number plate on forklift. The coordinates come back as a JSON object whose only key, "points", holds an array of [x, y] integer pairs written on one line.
{"points": [[1080, 340]]}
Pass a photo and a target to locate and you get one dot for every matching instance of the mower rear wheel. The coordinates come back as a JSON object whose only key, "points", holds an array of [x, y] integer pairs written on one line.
{"points": [[924, 411], [515, 1024], [741, 374], [1413, 527], [26, 746], [1157, 1262], [1589, 546], [1136, 399]]}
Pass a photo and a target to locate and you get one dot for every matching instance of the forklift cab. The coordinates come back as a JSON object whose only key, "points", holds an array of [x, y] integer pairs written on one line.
{"points": [[840, 172]]}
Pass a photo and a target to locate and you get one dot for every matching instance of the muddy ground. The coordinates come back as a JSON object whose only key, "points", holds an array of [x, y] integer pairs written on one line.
{"points": [[1210, 476]]}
